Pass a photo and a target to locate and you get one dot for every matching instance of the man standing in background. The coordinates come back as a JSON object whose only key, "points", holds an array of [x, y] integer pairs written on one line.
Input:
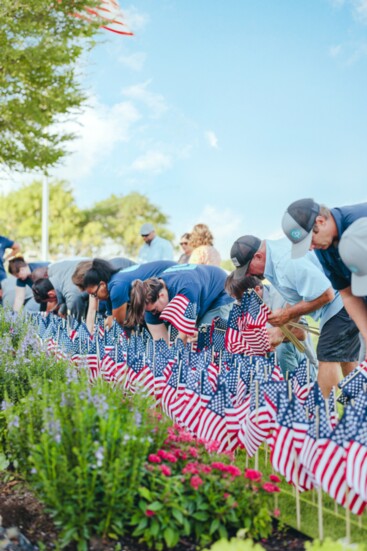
{"points": [[155, 247]]}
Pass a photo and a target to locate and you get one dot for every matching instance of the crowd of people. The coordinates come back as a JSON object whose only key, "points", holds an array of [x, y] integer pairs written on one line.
{"points": [[319, 269]]}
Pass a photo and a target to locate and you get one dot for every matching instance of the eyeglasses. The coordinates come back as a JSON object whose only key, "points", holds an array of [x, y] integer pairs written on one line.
{"points": [[95, 294], [145, 234], [184, 243]]}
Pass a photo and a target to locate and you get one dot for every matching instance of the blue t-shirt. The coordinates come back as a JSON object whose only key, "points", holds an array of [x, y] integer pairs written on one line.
{"points": [[32, 266], [299, 279], [201, 285], [119, 286], [334, 267], [5, 243]]}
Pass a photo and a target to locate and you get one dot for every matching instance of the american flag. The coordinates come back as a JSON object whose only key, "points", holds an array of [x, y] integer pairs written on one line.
{"points": [[212, 424], [109, 14], [198, 394], [203, 341], [92, 360], [316, 436], [330, 467], [288, 440], [356, 468], [246, 332], [259, 421], [355, 382], [217, 333], [301, 381], [181, 313]]}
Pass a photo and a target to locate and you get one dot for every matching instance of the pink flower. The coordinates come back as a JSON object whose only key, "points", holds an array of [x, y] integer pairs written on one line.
{"points": [[205, 469], [212, 446], [219, 466], [251, 474], [233, 470], [149, 513], [166, 471], [274, 478], [196, 481], [153, 458], [193, 451], [276, 513], [167, 456], [226, 495], [270, 488], [191, 468]]}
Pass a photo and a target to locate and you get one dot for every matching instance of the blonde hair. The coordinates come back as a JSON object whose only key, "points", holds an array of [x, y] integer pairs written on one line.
{"points": [[200, 235]]}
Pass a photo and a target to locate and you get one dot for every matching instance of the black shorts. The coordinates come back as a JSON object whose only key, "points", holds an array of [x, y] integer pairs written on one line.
{"points": [[339, 339]]}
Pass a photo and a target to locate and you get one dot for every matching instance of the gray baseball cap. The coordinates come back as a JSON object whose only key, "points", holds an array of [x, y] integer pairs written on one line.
{"points": [[353, 252], [242, 252], [297, 224], [146, 228]]}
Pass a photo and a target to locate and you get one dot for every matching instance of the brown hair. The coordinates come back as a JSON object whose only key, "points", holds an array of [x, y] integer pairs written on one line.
{"points": [[236, 287], [78, 276], [142, 293], [15, 264], [200, 235]]}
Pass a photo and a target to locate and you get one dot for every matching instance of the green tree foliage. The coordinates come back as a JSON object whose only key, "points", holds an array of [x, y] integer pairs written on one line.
{"points": [[73, 231], [122, 216], [40, 42]]}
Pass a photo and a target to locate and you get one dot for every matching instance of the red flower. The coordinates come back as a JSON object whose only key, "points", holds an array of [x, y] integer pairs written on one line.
{"points": [[270, 488], [167, 456], [152, 458], [191, 468], [149, 513], [219, 466], [205, 469], [166, 471], [251, 474], [276, 513], [226, 495], [196, 481], [275, 478], [233, 470], [193, 451], [212, 446]]}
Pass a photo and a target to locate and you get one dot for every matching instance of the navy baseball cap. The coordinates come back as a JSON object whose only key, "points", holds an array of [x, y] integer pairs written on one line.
{"points": [[242, 252], [297, 224]]}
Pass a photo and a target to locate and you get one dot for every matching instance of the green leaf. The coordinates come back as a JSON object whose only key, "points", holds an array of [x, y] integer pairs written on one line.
{"points": [[170, 537], [178, 515], [214, 526], [155, 506], [144, 492], [200, 515]]}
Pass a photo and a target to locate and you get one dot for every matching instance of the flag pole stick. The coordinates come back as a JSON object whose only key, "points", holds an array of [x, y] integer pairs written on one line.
{"points": [[319, 490]]}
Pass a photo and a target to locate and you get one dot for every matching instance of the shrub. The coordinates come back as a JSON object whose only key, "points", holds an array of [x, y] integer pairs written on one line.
{"points": [[235, 544], [83, 449], [185, 491]]}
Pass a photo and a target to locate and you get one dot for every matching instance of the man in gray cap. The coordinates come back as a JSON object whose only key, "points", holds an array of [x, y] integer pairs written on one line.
{"points": [[309, 225], [155, 247], [306, 290]]}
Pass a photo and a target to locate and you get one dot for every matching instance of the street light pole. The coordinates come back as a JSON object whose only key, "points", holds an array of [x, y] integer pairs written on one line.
{"points": [[44, 219]]}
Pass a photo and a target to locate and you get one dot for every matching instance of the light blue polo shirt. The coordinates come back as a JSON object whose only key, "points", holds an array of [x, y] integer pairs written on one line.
{"points": [[158, 249], [299, 279]]}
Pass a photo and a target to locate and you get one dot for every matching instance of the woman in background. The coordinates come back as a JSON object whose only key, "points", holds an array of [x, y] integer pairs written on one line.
{"points": [[187, 250], [204, 252]]}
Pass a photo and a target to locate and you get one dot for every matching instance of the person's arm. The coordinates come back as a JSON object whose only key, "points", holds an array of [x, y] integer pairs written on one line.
{"points": [[158, 331], [91, 314], [19, 298], [357, 310], [283, 316], [120, 313], [14, 249]]}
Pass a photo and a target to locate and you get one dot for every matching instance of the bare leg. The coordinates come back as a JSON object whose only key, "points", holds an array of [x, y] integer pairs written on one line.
{"points": [[328, 376], [347, 367]]}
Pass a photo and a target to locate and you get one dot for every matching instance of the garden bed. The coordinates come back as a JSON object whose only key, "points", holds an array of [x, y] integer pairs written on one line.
{"points": [[19, 507]]}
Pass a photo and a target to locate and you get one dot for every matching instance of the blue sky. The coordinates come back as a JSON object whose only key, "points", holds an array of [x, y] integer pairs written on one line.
{"points": [[225, 112]]}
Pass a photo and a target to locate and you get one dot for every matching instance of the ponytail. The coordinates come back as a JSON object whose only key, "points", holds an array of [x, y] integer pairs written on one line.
{"points": [[142, 293]]}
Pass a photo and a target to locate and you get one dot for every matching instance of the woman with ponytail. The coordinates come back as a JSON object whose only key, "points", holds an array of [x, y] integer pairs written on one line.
{"points": [[184, 296], [103, 282]]}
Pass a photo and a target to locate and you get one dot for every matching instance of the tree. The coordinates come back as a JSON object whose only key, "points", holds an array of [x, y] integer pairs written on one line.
{"points": [[21, 218], [122, 216], [40, 43], [73, 231]]}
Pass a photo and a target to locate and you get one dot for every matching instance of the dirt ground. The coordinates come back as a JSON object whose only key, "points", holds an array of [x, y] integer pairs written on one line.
{"points": [[20, 508]]}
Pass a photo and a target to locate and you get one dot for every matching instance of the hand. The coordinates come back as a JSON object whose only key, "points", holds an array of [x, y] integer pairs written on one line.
{"points": [[279, 317], [193, 337], [276, 337]]}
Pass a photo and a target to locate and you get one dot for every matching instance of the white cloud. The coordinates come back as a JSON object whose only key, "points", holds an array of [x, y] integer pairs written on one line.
{"points": [[134, 61], [212, 139], [98, 129], [139, 92], [360, 10], [335, 51], [135, 19], [153, 161]]}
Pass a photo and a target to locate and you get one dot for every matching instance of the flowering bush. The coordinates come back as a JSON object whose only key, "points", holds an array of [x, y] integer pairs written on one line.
{"points": [[186, 491], [83, 449]]}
